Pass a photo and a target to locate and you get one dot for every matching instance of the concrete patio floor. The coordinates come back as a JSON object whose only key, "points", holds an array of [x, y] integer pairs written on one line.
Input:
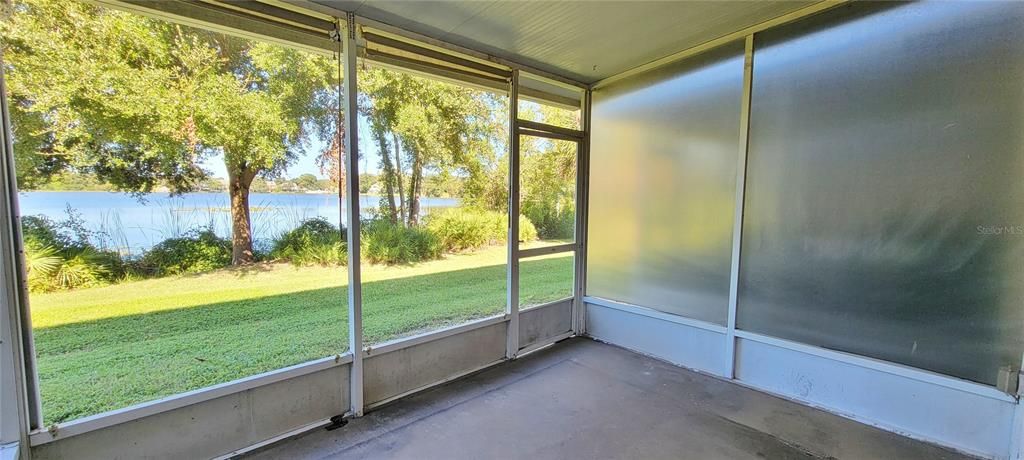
{"points": [[585, 399]]}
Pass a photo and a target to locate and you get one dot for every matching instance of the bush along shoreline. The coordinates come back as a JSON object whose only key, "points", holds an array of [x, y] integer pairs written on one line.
{"points": [[61, 256]]}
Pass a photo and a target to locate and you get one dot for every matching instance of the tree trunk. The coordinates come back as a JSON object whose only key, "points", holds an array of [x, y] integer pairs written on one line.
{"points": [[332, 161], [389, 175], [239, 181], [415, 188], [342, 169], [398, 178]]}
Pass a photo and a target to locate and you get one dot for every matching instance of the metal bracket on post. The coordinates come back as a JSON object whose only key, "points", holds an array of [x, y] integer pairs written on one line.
{"points": [[337, 421], [350, 20], [512, 306], [1008, 380], [351, 149]]}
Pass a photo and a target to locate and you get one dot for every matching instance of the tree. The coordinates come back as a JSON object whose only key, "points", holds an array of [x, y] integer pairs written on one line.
{"points": [[140, 102], [259, 185], [548, 193], [212, 184], [486, 182], [436, 125], [367, 182], [326, 185], [548, 177], [443, 185], [331, 162], [388, 174], [306, 182], [397, 175]]}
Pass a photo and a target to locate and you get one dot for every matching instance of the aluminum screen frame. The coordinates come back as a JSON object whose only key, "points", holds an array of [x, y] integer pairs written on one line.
{"points": [[662, 186], [883, 213]]}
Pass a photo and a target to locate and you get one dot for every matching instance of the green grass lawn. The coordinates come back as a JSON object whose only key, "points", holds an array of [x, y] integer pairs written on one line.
{"points": [[105, 348]]}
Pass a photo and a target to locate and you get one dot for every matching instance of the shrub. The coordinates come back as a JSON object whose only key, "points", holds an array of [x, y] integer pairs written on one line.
{"points": [[48, 270], [41, 231], [41, 259], [83, 268], [196, 251], [261, 248], [314, 242], [527, 232], [41, 262], [552, 222], [55, 261], [461, 229], [384, 242]]}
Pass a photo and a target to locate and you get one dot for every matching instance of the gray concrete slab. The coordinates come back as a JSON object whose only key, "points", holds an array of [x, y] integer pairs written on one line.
{"points": [[584, 399]]}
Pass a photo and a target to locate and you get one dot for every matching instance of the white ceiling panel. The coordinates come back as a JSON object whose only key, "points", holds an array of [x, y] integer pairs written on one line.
{"points": [[582, 40]]}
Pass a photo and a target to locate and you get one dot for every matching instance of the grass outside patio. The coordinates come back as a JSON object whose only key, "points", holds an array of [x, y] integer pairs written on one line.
{"points": [[105, 348]]}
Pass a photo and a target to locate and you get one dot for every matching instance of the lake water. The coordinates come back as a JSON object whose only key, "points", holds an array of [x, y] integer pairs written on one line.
{"points": [[125, 223]]}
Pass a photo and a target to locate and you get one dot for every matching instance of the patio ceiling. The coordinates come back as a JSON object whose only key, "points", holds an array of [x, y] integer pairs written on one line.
{"points": [[584, 41]]}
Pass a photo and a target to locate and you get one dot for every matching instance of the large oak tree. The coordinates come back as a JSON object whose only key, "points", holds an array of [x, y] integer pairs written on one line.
{"points": [[141, 103]]}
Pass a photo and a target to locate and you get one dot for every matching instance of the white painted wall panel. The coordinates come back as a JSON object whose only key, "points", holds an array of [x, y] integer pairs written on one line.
{"points": [[966, 421], [959, 414], [680, 344]]}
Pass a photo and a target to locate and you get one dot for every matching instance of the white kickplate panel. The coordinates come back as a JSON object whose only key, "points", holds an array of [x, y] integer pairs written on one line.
{"points": [[684, 345], [214, 427], [970, 422]]}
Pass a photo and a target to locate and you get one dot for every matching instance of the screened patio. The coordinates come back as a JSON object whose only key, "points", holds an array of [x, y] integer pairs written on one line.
{"points": [[783, 229]]}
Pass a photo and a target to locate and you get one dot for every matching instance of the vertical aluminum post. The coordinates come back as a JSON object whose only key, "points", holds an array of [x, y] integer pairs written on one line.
{"points": [[512, 284], [737, 223], [579, 309], [351, 151], [20, 409], [1017, 427]]}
